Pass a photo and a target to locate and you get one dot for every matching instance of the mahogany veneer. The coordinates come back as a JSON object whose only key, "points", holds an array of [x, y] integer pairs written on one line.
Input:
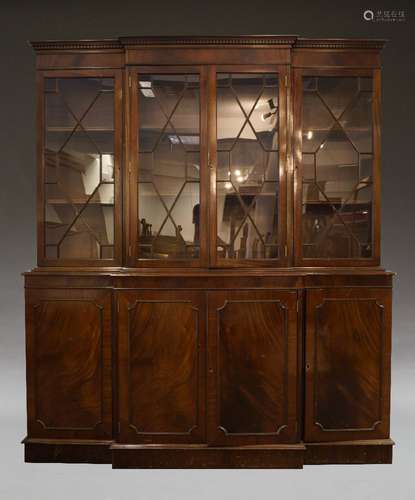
{"points": [[203, 353]]}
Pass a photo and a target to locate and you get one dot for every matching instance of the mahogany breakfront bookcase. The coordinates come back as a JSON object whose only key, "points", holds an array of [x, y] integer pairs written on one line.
{"points": [[208, 290]]}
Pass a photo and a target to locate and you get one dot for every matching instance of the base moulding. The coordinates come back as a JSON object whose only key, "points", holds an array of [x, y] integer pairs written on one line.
{"points": [[283, 456]]}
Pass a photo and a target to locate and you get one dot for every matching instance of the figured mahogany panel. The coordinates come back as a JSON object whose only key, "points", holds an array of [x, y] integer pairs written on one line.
{"points": [[161, 391], [68, 356], [347, 364], [252, 366]]}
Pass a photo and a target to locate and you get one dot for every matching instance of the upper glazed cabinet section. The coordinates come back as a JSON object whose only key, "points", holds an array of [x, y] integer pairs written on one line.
{"points": [[245, 151]]}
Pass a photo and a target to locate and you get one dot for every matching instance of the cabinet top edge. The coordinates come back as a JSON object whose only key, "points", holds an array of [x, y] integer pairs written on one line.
{"points": [[288, 41], [202, 272]]}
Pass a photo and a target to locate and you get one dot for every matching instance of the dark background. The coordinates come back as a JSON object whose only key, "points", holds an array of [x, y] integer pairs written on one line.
{"points": [[42, 20]]}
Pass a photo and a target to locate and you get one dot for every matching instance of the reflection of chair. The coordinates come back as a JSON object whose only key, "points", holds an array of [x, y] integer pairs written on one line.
{"points": [[242, 247], [255, 244], [163, 247], [337, 228]]}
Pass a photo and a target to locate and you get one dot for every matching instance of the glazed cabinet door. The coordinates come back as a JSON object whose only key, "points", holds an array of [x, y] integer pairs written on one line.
{"points": [[252, 367], [247, 160], [161, 350], [337, 166], [348, 349], [68, 341], [79, 167], [166, 183]]}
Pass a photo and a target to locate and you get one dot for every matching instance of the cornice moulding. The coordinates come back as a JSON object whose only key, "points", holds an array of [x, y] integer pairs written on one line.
{"points": [[286, 41]]}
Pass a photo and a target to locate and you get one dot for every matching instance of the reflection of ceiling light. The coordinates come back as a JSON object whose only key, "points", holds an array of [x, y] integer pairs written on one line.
{"points": [[107, 165], [265, 116], [146, 90], [240, 178], [309, 135], [273, 110], [271, 104], [228, 185], [237, 172], [322, 146]]}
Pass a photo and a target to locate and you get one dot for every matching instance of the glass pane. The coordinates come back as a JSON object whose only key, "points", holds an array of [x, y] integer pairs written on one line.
{"points": [[169, 167], [337, 167], [79, 168], [248, 167]]}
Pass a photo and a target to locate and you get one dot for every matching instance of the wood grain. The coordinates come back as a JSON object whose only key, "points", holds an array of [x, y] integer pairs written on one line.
{"points": [[68, 351], [252, 369], [161, 338], [348, 362]]}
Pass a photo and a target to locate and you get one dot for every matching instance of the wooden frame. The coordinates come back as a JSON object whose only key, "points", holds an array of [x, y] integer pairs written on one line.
{"points": [[299, 260], [101, 73]]}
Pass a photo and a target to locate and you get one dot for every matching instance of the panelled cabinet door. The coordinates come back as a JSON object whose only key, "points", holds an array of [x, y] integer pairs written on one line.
{"points": [[69, 363], [347, 364], [161, 351], [252, 390]]}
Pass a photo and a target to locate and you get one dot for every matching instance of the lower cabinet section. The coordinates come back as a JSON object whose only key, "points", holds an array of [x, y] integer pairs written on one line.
{"points": [[348, 348], [69, 385], [193, 378]]}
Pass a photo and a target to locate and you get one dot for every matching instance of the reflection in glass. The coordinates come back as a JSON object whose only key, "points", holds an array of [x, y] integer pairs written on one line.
{"points": [[247, 166], [337, 167], [79, 168], [169, 167]]}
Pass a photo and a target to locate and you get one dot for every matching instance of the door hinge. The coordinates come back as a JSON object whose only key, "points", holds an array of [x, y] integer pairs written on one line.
{"points": [[129, 80], [118, 307], [119, 427], [285, 251]]}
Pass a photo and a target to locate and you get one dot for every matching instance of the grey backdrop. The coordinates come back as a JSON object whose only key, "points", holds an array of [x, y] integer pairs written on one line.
{"points": [[75, 19]]}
